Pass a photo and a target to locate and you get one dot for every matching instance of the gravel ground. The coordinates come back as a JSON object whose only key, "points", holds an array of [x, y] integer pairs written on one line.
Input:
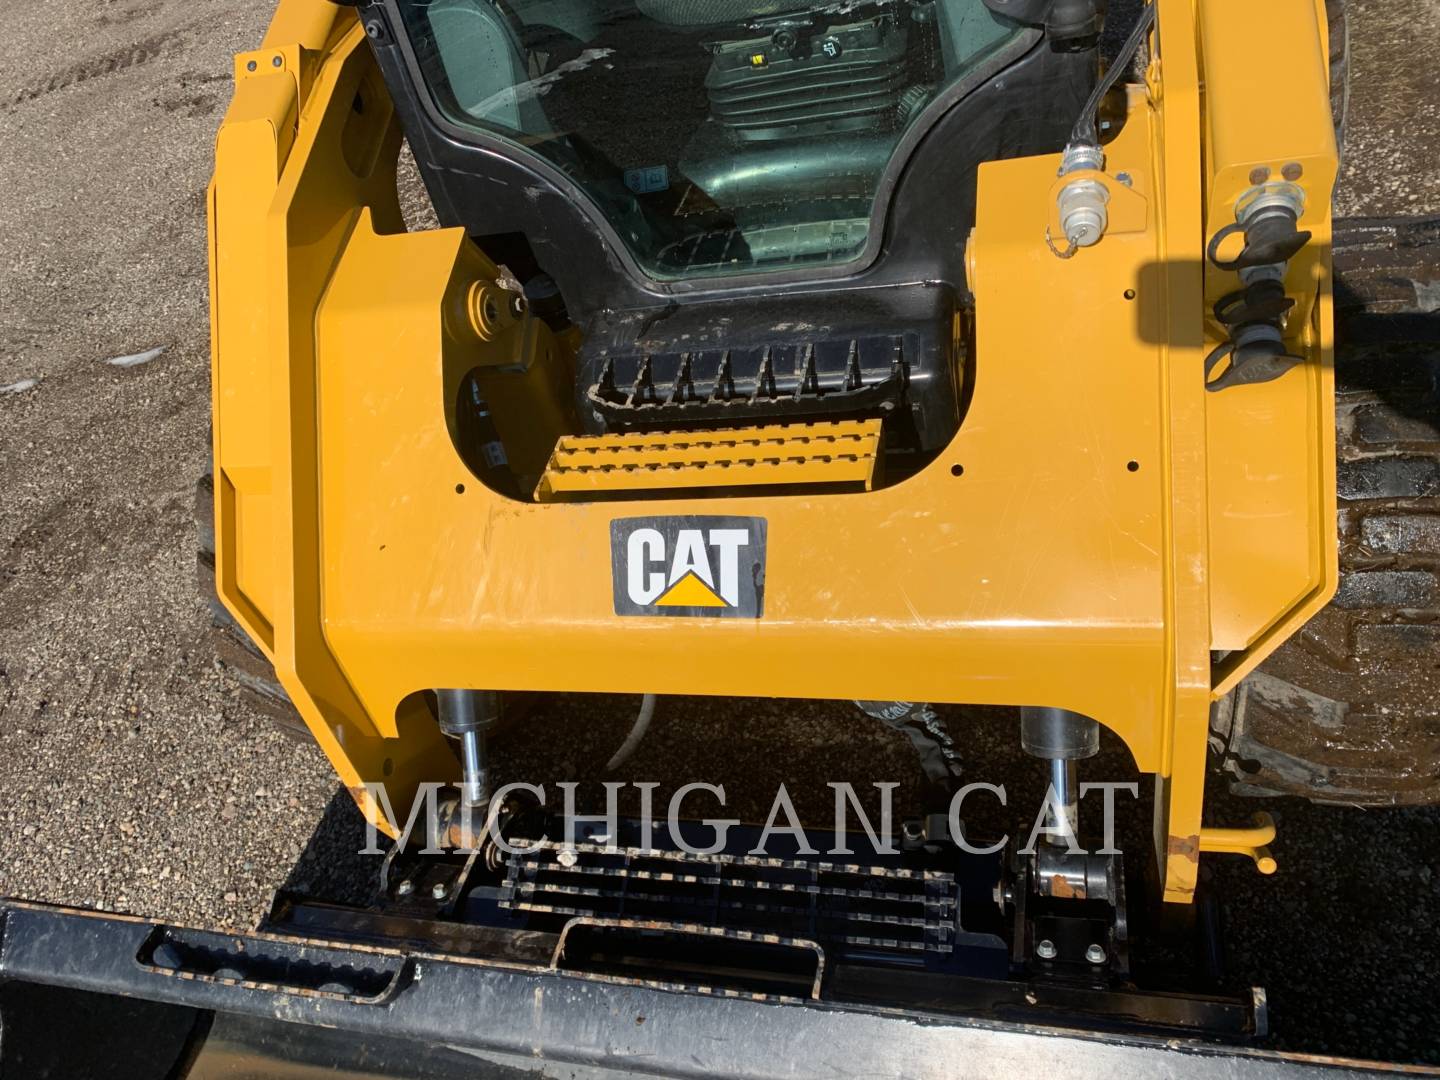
{"points": [[122, 744]]}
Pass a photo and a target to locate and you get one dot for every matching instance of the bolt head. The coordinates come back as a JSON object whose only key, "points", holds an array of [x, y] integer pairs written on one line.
{"points": [[1045, 949], [1259, 174], [405, 888], [1292, 171], [278, 61], [438, 890], [251, 66], [1095, 954]]}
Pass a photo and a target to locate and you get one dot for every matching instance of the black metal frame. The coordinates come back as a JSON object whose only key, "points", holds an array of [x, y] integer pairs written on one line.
{"points": [[452, 1015]]}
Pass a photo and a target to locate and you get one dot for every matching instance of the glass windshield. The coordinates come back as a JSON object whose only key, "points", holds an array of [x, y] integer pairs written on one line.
{"points": [[718, 136]]}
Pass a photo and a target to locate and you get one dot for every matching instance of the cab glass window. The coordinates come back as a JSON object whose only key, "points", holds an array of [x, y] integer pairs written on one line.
{"points": [[717, 136]]}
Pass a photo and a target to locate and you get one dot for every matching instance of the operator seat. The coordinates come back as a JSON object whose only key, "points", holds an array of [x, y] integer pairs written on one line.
{"points": [[808, 114]]}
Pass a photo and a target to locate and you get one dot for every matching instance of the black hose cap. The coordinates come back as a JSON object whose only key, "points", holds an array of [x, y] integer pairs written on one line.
{"points": [[1273, 238]]}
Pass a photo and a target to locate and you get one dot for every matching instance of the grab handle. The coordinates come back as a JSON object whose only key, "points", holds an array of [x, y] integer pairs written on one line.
{"points": [[276, 964]]}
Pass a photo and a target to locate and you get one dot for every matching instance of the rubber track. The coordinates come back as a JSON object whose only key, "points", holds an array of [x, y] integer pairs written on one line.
{"points": [[1349, 710]]}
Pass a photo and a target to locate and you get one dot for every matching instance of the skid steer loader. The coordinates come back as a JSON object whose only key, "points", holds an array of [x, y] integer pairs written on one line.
{"points": [[880, 351], [886, 351]]}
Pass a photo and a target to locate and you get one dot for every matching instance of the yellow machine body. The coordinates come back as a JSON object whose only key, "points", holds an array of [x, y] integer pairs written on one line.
{"points": [[1098, 532]]}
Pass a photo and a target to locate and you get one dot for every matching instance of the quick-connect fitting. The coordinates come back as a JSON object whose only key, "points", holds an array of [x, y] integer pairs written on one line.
{"points": [[1082, 202], [1268, 216], [1274, 197]]}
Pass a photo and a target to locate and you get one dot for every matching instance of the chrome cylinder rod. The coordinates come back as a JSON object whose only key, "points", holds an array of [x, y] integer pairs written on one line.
{"points": [[1064, 823]]}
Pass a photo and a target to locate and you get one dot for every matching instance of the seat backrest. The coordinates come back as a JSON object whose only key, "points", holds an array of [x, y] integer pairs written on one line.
{"points": [[713, 12], [580, 21]]}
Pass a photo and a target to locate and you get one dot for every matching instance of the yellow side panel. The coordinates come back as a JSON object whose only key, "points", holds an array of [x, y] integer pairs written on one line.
{"points": [[1272, 453], [249, 152], [292, 176]]}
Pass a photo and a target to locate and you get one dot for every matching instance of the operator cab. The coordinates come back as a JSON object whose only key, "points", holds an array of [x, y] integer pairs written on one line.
{"points": [[714, 137], [754, 210]]}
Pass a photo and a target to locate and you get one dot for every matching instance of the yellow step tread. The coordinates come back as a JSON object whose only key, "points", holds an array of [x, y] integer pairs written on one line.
{"points": [[839, 452]]}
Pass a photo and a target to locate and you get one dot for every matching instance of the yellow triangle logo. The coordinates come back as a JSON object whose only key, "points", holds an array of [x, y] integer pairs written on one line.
{"points": [[690, 591]]}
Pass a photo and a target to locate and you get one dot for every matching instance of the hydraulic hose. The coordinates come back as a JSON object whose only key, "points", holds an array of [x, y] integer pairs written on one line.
{"points": [[637, 732], [1086, 131]]}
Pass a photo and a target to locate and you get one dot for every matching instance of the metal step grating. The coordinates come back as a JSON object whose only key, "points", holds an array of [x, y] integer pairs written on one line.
{"points": [[868, 907]]}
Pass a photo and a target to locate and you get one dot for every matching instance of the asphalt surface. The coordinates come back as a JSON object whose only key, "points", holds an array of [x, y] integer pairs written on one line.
{"points": [[137, 780]]}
